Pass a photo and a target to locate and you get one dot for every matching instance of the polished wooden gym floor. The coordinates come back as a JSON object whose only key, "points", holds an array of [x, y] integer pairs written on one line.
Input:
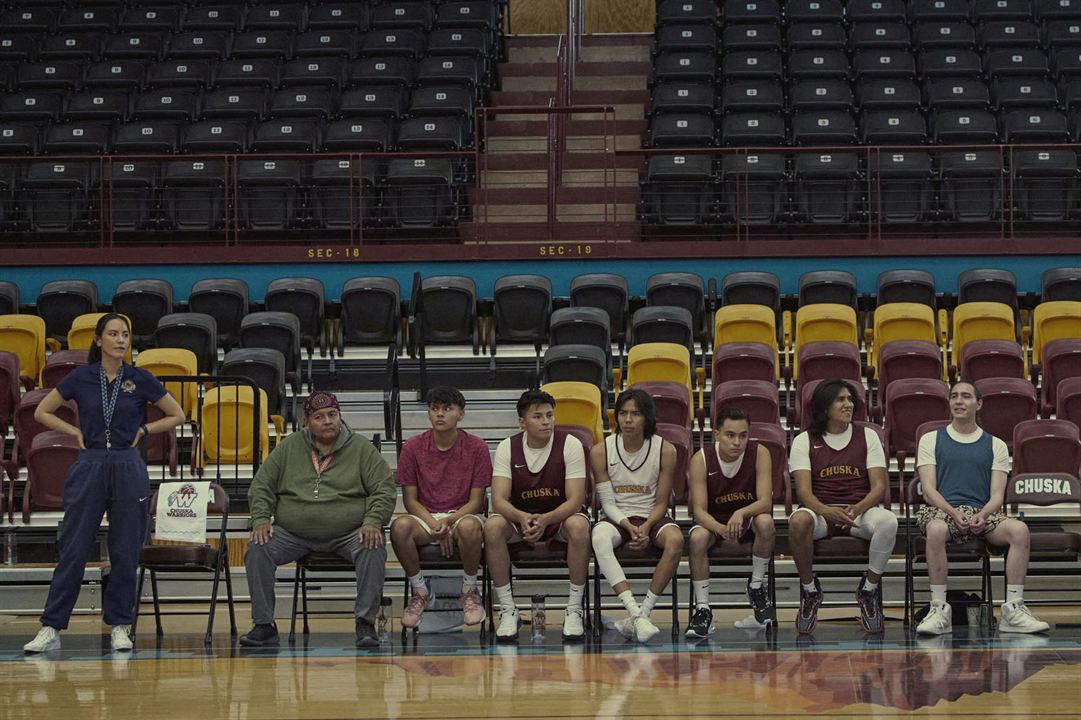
{"points": [[736, 674]]}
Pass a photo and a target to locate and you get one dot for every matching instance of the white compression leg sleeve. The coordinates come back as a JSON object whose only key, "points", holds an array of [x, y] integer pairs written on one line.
{"points": [[606, 539], [878, 525]]}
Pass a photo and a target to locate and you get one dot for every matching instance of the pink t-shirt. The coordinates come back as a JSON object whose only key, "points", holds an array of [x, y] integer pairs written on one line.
{"points": [[444, 478]]}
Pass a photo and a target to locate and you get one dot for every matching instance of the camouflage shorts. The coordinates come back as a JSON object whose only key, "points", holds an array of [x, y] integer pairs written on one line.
{"points": [[926, 514]]}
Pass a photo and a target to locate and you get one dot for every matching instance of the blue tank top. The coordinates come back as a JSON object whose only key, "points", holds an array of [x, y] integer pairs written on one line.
{"points": [[963, 470]]}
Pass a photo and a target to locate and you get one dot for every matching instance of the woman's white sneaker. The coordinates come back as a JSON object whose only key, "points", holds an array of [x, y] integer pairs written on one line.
{"points": [[120, 639], [48, 638]]}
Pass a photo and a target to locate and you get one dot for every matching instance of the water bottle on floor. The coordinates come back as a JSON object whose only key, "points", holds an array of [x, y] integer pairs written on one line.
{"points": [[382, 621], [537, 617]]}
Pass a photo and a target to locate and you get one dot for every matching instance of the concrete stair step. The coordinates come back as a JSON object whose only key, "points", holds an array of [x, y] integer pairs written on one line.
{"points": [[614, 53], [507, 157], [522, 213], [536, 128], [519, 55], [612, 82], [529, 84], [565, 196], [575, 144]]}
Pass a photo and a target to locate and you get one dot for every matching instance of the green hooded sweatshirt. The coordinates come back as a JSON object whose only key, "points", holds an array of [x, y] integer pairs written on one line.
{"points": [[357, 488]]}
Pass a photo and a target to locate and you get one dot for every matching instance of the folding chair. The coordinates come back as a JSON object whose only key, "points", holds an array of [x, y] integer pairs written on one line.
{"points": [[972, 553], [190, 558]]}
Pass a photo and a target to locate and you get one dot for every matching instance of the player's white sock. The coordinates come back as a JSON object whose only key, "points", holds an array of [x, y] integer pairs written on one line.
{"points": [[575, 594], [649, 602], [938, 593], [1015, 592], [701, 593], [506, 598], [416, 584], [869, 586], [627, 598], [759, 569], [469, 583], [810, 587]]}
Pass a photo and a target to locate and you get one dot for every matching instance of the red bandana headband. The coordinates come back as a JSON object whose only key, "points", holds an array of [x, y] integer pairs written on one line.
{"points": [[320, 401]]}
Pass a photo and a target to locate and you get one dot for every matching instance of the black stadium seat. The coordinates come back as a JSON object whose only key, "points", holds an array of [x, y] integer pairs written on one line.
{"points": [[194, 194], [1046, 186], [687, 38], [194, 74], [905, 190], [420, 193], [215, 136], [676, 12], [236, 103], [389, 102], [265, 44], [210, 17], [754, 187], [827, 186], [679, 190], [682, 130], [248, 72], [971, 184], [754, 36], [745, 95], [158, 138], [337, 202], [829, 94], [268, 194], [55, 195], [359, 135], [131, 206], [287, 136], [77, 138]]}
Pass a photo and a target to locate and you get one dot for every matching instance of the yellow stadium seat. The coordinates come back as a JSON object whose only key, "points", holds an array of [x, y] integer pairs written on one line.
{"points": [[981, 321], [81, 334], [1053, 321], [160, 362], [661, 362], [577, 403], [830, 322], [24, 335], [225, 427], [747, 323], [900, 321]]}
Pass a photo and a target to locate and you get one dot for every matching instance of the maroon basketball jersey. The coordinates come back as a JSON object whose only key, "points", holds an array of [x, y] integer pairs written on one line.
{"points": [[542, 491], [839, 477], [728, 494]]}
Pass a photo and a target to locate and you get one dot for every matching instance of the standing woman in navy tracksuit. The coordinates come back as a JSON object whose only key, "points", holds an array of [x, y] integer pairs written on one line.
{"points": [[108, 475]]}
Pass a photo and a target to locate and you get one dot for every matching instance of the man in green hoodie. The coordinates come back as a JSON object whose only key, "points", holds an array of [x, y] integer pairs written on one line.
{"points": [[323, 489]]}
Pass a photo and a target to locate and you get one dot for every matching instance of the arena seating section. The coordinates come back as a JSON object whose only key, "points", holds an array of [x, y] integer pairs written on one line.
{"points": [[918, 111], [247, 89]]}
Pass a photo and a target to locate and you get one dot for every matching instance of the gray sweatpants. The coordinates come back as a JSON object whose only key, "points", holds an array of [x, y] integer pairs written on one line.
{"points": [[283, 547]]}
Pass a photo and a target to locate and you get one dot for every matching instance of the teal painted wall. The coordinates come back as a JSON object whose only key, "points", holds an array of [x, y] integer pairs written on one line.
{"points": [[866, 269]]}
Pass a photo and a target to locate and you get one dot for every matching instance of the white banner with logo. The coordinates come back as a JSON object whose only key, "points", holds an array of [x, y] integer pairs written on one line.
{"points": [[181, 512]]}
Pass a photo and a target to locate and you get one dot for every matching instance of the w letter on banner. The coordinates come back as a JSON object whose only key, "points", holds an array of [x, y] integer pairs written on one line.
{"points": [[181, 511]]}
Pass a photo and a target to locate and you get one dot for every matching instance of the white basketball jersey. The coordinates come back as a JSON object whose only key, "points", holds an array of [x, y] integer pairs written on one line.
{"points": [[634, 475]]}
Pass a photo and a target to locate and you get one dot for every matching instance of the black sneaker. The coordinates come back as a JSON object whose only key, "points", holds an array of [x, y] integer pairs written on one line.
{"points": [[870, 602], [809, 602], [261, 635], [764, 612], [366, 637], [701, 624]]}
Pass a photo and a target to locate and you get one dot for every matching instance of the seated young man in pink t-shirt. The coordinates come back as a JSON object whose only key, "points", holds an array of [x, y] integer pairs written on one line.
{"points": [[444, 473]]}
